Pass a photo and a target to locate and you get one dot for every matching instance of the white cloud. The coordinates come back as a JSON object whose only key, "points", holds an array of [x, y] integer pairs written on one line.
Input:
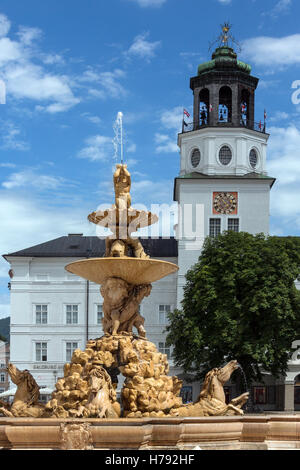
{"points": [[29, 35], [269, 51], [12, 137], [172, 119], [7, 165], [109, 83], [225, 2], [149, 3], [143, 48], [157, 191], [279, 116], [171, 122], [25, 77], [282, 6], [51, 59], [4, 25], [32, 82], [284, 164], [97, 147], [165, 144], [90, 117], [33, 180]]}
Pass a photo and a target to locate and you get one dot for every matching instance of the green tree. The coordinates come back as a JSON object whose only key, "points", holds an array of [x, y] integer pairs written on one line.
{"points": [[240, 302]]}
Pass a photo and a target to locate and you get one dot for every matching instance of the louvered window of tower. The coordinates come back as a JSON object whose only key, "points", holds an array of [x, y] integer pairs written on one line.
{"points": [[196, 157], [225, 155]]}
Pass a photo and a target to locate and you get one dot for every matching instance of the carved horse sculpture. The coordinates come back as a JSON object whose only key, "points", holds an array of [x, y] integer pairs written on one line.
{"points": [[26, 398], [102, 399], [211, 401]]}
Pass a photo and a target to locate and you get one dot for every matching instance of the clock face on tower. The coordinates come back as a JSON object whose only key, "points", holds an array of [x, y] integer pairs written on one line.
{"points": [[225, 203]]}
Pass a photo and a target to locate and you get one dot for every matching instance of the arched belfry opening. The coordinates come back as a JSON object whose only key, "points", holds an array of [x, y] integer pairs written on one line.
{"points": [[225, 105], [245, 107], [204, 107]]}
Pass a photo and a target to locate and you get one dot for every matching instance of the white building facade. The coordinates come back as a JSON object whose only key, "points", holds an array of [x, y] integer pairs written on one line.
{"points": [[222, 185]]}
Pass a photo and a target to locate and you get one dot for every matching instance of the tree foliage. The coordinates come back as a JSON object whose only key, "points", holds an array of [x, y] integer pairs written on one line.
{"points": [[240, 302]]}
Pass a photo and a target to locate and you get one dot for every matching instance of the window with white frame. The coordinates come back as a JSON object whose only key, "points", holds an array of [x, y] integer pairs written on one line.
{"points": [[72, 314], [41, 314], [234, 225], [164, 349], [2, 377], [99, 314], [41, 352], [2, 365], [164, 310], [70, 348], [214, 227]]}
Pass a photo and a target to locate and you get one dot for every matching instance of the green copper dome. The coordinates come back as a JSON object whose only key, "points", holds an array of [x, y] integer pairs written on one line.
{"points": [[224, 58]]}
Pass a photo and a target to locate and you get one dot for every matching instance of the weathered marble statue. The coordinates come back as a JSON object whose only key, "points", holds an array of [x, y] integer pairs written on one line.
{"points": [[88, 387], [26, 400]]}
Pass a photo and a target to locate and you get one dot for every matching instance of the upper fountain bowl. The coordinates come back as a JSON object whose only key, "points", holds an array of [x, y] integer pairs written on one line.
{"points": [[133, 270]]}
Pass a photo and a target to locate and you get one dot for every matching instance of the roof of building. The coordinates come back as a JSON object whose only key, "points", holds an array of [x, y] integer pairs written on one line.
{"points": [[224, 58], [78, 246]]}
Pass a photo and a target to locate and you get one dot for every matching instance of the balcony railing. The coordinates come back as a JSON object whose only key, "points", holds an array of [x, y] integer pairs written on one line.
{"points": [[254, 126]]}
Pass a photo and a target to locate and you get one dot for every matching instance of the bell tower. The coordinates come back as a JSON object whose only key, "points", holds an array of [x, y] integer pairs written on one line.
{"points": [[223, 137], [223, 178]]}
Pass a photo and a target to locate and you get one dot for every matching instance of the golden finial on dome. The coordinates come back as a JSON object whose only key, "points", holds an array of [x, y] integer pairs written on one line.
{"points": [[226, 28], [225, 39]]}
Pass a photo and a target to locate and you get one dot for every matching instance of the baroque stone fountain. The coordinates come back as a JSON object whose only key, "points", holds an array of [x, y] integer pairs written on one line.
{"points": [[87, 392]]}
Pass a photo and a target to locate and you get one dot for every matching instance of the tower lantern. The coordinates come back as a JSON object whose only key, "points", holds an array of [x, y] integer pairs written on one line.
{"points": [[224, 90], [224, 113]]}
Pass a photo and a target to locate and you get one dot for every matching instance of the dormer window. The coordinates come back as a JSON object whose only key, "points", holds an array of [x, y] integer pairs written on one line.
{"points": [[253, 158], [195, 158], [225, 155]]}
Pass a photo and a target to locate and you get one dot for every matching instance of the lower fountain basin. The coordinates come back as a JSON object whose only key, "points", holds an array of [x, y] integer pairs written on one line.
{"points": [[249, 432], [133, 270]]}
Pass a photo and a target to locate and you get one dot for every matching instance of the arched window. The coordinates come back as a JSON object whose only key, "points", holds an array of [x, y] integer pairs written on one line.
{"points": [[253, 158], [204, 107], [195, 158], [245, 98], [225, 104], [225, 155]]}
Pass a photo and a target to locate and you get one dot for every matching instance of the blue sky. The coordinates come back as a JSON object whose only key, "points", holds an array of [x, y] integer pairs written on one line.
{"points": [[70, 66]]}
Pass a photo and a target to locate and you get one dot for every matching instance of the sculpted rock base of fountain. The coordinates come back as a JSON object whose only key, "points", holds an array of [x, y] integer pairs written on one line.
{"points": [[87, 390]]}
